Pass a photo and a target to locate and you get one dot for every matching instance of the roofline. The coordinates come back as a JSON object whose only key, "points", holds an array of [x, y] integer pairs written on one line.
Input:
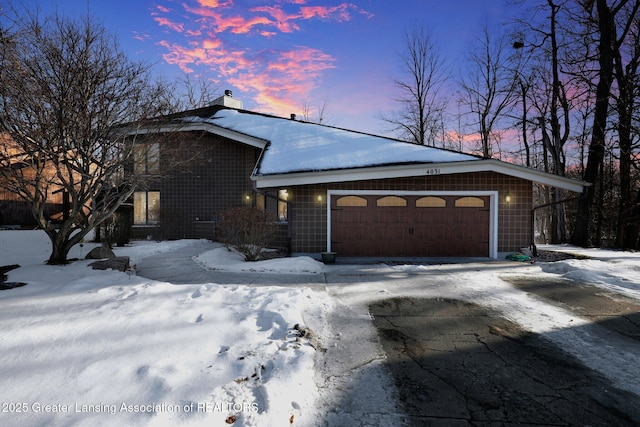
{"points": [[421, 169], [202, 127], [358, 174]]}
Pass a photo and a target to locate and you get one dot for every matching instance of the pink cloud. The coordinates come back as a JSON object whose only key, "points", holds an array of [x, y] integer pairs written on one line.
{"points": [[141, 36], [167, 23], [282, 19], [340, 12], [215, 3], [240, 25], [279, 80], [211, 44]]}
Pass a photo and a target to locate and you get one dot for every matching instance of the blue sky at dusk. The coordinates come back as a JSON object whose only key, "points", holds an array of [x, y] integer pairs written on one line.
{"points": [[279, 55]]}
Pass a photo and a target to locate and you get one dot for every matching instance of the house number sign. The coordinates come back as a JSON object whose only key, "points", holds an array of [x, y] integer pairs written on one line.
{"points": [[435, 171]]}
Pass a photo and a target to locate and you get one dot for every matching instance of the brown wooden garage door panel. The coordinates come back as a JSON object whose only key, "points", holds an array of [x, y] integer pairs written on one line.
{"points": [[352, 215], [386, 216], [432, 216], [411, 231]]}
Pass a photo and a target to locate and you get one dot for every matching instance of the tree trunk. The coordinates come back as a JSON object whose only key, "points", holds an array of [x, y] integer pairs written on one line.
{"points": [[626, 78], [625, 204], [59, 254], [607, 30], [560, 226]]}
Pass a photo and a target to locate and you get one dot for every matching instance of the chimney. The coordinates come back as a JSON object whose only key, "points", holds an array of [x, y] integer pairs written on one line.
{"points": [[293, 116], [227, 100]]}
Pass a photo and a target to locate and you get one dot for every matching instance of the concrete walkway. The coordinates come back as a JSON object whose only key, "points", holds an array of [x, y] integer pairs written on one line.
{"points": [[178, 267]]}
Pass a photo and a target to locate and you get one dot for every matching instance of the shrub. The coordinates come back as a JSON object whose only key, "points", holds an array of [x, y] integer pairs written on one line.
{"points": [[117, 228], [248, 230]]}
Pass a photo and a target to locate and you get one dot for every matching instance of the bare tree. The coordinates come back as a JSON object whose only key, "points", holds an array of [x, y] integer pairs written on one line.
{"points": [[65, 89], [614, 20], [557, 44], [489, 88], [189, 92], [626, 66], [421, 118], [321, 116], [552, 105]]}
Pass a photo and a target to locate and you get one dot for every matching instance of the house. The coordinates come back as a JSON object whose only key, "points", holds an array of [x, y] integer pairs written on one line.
{"points": [[338, 190], [15, 212]]}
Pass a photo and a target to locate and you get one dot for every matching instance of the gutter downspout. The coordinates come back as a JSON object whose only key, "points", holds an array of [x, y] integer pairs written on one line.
{"points": [[534, 249]]}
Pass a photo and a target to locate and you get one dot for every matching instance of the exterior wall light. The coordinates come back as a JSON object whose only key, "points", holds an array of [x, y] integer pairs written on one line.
{"points": [[319, 198], [507, 198]]}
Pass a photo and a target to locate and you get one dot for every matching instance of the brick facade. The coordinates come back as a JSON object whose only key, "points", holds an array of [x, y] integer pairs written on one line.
{"points": [[308, 212], [195, 193]]}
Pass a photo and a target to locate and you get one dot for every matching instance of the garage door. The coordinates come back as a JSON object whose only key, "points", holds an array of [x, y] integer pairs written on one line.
{"points": [[414, 226]]}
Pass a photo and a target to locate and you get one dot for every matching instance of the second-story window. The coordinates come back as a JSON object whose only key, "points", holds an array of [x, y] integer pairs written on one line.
{"points": [[146, 159]]}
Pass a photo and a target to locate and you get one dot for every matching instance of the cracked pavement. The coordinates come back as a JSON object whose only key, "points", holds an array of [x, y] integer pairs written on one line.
{"points": [[458, 363]]}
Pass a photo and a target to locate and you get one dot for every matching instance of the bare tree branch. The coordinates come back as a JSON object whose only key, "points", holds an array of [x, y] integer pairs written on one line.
{"points": [[489, 88], [420, 119]]}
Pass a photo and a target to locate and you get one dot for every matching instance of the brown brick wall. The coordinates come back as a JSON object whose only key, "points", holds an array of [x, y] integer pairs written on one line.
{"points": [[197, 192], [308, 215]]}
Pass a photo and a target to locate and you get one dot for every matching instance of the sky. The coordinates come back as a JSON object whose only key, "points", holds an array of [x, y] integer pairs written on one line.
{"points": [[280, 56]]}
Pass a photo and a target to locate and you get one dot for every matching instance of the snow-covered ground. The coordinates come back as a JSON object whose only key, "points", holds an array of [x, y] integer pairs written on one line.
{"points": [[83, 347]]}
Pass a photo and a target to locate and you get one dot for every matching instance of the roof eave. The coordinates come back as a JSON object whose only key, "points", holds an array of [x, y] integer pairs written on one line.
{"points": [[421, 169], [201, 126]]}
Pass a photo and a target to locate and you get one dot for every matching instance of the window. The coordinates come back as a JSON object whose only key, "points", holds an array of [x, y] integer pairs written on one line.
{"points": [[469, 202], [431, 202], [283, 197], [352, 201], [391, 201], [146, 159], [146, 207], [261, 202]]}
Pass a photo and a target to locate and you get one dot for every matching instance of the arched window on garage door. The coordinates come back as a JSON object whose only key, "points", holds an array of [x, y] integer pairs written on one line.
{"points": [[469, 202], [352, 201], [391, 201], [431, 202]]}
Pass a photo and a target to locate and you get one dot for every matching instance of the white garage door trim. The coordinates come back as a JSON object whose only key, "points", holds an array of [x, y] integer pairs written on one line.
{"points": [[493, 206]]}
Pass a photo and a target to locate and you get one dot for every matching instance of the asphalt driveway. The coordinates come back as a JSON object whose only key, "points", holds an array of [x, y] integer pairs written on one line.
{"points": [[457, 363]]}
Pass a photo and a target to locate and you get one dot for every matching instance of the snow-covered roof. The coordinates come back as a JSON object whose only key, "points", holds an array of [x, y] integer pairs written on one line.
{"points": [[296, 146], [298, 153]]}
